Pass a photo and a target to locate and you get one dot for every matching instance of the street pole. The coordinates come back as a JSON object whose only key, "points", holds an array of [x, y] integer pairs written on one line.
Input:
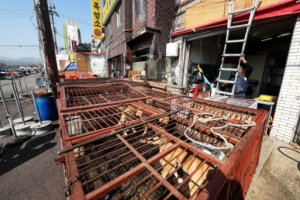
{"points": [[52, 13], [47, 44]]}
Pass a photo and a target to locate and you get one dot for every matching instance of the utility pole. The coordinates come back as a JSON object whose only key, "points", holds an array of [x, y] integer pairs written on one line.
{"points": [[52, 13], [46, 42]]}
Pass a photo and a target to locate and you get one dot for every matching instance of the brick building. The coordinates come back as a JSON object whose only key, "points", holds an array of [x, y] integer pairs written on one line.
{"points": [[273, 48], [136, 30]]}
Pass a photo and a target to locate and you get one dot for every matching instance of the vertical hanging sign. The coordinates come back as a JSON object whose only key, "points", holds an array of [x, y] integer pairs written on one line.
{"points": [[74, 47], [97, 19]]}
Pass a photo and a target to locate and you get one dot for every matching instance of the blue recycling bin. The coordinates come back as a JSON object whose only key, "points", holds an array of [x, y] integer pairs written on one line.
{"points": [[46, 106]]}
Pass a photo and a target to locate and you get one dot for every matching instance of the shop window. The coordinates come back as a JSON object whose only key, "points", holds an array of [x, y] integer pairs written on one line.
{"points": [[140, 10], [119, 16]]}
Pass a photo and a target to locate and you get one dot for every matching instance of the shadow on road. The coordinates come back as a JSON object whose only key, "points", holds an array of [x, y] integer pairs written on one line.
{"points": [[14, 156]]}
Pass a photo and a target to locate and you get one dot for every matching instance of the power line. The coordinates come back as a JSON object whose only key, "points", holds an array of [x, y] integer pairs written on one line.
{"points": [[15, 10], [14, 13], [9, 45], [16, 16]]}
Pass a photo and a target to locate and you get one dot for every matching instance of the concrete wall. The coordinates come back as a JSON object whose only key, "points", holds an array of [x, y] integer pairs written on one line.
{"points": [[177, 63], [288, 103], [180, 15]]}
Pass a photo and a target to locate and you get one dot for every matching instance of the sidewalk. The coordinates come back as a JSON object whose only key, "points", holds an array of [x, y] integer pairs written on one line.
{"points": [[277, 175], [28, 170]]}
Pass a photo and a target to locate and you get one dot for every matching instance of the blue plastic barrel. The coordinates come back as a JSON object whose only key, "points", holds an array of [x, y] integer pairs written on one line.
{"points": [[47, 107]]}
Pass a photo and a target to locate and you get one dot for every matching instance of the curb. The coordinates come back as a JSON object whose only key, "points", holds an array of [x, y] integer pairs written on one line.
{"points": [[266, 150]]}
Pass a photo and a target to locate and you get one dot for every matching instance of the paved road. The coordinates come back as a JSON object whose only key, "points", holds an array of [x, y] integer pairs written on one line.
{"points": [[28, 170], [29, 80]]}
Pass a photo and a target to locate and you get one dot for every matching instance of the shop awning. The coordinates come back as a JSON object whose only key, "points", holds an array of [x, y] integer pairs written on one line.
{"points": [[284, 8]]}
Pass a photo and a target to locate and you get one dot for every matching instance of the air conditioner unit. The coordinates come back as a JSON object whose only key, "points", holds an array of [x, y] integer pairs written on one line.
{"points": [[172, 50]]}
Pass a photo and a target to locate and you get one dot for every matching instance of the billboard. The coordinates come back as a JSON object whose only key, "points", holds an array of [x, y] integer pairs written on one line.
{"points": [[108, 5], [97, 19]]}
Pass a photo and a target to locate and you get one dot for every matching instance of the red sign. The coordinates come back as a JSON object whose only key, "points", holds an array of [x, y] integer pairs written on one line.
{"points": [[74, 47]]}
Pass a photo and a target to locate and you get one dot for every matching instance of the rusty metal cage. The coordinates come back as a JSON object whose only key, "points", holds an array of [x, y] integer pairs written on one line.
{"points": [[158, 94], [98, 82], [150, 160], [125, 141], [78, 96], [81, 125]]}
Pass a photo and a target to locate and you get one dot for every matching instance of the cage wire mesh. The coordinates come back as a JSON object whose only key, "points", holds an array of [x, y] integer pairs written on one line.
{"points": [[103, 161], [82, 122], [227, 111], [87, 95], [157, 94]]}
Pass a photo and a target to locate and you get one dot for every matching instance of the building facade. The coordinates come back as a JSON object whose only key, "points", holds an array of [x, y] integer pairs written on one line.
{"points": [[199, 29], [136, 30], [71, 33]]}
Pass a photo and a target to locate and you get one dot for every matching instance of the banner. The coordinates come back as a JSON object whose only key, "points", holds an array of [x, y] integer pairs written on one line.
{"points": [[71, 65], [97, 19], [74, 47]]}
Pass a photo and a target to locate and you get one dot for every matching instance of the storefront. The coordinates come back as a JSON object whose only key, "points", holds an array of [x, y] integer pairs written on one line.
{"points": [[272, 47]]}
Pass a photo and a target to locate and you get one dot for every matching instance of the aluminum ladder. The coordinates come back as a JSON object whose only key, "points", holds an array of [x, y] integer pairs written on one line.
{"points": [[230, 27]]}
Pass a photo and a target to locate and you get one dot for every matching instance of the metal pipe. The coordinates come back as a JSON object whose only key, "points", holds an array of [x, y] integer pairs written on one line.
{"points": [[17, 102], [25, 85], [183, 63], [66, 150], [7, 113], [20, 85], [37, 110], [18, 97]]}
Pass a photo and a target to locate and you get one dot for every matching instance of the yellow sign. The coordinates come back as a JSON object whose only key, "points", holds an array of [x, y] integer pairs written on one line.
{"points": [[72, 57], [107, 8], [97, 19]]}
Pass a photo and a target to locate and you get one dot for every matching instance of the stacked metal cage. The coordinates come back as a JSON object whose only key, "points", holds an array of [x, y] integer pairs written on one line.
{"points": [[123, 141]]}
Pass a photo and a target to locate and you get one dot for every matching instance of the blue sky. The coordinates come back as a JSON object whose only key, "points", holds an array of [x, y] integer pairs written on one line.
{"points": [[17, 22]]}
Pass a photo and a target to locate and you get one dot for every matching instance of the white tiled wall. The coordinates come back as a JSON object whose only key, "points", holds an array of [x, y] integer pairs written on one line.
{"points": [[288, 106]]}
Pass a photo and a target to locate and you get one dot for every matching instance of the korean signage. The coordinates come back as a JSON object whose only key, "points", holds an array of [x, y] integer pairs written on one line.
{"points": [[74, 47], [107, 8], [97, 19], [94, 45]]}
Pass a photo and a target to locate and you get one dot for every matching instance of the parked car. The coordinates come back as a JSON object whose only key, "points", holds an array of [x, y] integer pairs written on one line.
{"points": [[17, 73], [6, 71], [2, 73], [26, 72]]}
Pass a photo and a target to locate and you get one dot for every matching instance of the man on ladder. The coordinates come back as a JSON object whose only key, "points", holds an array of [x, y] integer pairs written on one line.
{"points": [[244, 71]]}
